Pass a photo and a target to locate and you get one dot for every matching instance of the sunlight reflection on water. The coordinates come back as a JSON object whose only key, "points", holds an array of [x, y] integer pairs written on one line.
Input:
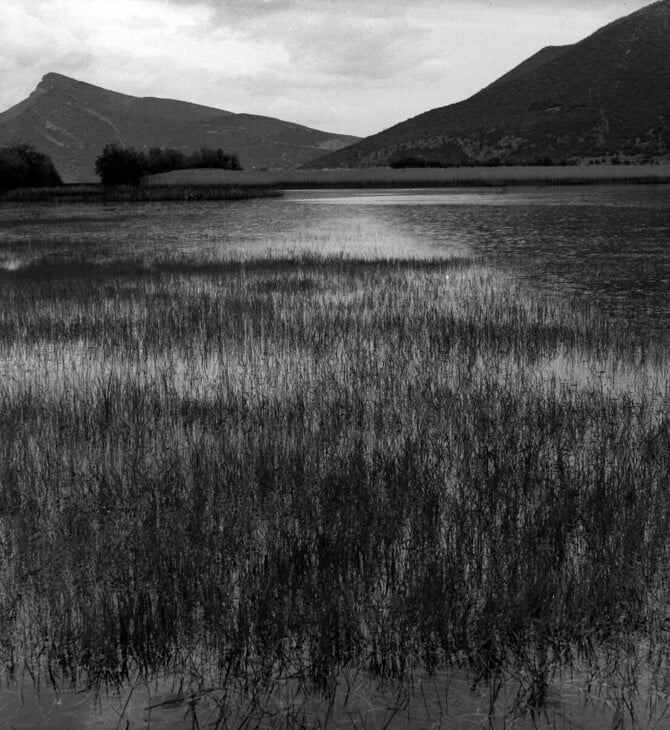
{"points": [[607, 244]]}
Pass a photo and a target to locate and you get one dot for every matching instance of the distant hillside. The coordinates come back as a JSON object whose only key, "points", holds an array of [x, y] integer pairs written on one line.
{"points": [[71, 121], [605, 96]]}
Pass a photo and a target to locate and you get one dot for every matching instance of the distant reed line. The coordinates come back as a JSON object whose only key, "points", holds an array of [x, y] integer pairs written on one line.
{"points": [[129, 194], [426, 177]]}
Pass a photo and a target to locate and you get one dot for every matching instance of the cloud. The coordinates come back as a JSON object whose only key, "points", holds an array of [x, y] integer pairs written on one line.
{"points": [[357, 50], [342, 65], [241, 11], [148, 46]]}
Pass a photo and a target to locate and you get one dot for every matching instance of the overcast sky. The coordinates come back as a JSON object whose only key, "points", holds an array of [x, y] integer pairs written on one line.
{"points": [[348, 66]]}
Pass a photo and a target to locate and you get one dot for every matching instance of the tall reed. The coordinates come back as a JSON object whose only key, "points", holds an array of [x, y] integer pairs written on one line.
{"points": [[306, 467]]}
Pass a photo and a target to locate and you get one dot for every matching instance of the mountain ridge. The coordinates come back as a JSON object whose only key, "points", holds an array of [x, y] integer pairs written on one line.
{"points": [[72, 120], [602, 96]]}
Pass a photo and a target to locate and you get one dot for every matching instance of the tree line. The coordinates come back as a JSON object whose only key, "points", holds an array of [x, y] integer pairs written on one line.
{"points": [[22, 166], [127, 166]]}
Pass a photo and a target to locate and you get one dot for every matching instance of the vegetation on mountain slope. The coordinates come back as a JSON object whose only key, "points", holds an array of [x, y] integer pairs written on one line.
{"points": [[71, 121], [604, 97]]}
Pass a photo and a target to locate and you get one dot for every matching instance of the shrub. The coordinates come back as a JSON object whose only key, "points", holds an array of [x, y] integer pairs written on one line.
{"points": [[213, 158], [163, 160], [120, 166], [24, 166]]}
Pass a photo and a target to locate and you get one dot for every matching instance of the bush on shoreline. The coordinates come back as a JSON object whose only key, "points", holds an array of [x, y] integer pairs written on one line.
{"points": [[23, 166]]}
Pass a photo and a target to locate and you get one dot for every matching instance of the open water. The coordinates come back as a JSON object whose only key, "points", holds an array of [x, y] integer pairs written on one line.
{"points": [[608, 244]]}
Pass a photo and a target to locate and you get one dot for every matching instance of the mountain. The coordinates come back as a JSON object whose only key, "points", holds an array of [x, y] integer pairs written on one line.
{"points": [[72, 121], [607, 95]]}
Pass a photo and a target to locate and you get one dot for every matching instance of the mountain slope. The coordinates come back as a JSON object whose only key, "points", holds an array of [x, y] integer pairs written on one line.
{"points": [[71, 121], [607, 94]]}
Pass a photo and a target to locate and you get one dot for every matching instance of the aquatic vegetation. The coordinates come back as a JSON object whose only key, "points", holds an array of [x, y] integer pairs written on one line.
{"points": [[69, 194], [386, 177], [275, 474]]}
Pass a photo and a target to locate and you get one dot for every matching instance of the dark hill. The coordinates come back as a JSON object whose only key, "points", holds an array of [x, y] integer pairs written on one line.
{"points": [[71, 121], [609, 94]]}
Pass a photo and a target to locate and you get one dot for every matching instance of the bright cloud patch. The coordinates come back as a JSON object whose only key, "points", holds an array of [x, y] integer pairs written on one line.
{"points": [[342, 65]]}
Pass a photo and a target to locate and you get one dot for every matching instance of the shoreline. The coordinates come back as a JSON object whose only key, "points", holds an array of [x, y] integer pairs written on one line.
{"points": [[200, 185], [424, 177], [182, 192]]}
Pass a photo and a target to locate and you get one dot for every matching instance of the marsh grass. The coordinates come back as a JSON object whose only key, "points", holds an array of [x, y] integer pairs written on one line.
{"points": [[424, 177], [275, 478], [130, 194]]}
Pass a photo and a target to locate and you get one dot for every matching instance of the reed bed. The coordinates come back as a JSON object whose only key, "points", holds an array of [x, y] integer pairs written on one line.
{"points": [[425, 177], [132, 194], [280, 480]]}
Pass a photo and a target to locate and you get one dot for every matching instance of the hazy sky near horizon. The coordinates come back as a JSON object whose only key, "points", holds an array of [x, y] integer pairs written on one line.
{"points": [[347, 66]]}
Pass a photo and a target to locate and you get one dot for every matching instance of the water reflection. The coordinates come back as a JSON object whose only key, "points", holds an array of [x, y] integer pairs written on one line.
{"points": [[609, 245], [360, 701]]}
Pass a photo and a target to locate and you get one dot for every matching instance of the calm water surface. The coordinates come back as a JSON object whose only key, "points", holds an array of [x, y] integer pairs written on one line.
{"points": [[609, 244]]}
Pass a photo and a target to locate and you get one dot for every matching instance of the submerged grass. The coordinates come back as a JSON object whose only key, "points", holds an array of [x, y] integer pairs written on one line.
{"points": [[273, 475]]}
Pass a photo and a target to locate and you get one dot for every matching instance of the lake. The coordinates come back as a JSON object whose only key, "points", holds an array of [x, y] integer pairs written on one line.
{"points": [[609, 244], [151, 422]]}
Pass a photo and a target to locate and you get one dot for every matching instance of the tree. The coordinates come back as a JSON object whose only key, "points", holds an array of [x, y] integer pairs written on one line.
{"points": [[126, 166], [213, 159], [163, 160], [22, 166], [120, 166]]}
